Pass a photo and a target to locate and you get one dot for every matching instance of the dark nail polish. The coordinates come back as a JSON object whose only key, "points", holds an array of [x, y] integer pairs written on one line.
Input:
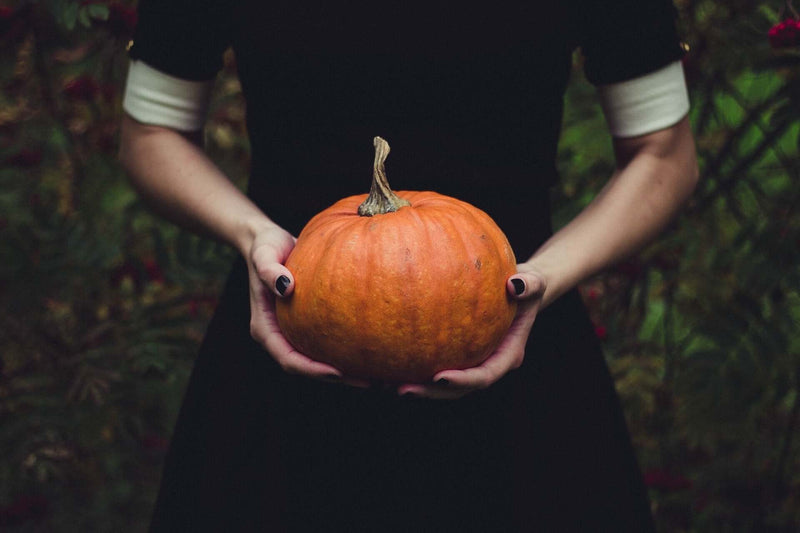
{"points": [[443, 381], [519, 286], [282, 283]]}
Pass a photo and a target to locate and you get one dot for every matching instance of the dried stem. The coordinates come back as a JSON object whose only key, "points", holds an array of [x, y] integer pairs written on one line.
{"points": [[381, 199]]}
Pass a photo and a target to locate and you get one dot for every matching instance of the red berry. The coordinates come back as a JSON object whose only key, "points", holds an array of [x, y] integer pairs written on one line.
{"points": [[82, 88], [785, 34], [601, 332], [153, 270]]}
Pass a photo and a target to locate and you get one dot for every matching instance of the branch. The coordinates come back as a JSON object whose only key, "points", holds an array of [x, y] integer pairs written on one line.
{"points": [[728, 183]]}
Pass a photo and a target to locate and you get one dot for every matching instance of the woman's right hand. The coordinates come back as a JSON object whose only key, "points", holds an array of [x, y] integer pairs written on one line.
{"points": [[182, 183], [270, 279]]}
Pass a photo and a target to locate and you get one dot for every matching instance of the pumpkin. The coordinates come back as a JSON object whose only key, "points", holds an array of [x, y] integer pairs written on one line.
{"points": [[396, 287]]}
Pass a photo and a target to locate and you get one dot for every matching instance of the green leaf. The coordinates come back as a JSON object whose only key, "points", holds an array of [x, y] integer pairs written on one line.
{"points": [[84, 18], [769, 13], [652, 327], [98, 11], [69, 15]]}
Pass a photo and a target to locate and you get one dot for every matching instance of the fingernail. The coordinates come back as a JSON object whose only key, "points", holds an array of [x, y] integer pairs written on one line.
{"points": [[332, 377], [519, 286], [443, 381], [282, 283]]}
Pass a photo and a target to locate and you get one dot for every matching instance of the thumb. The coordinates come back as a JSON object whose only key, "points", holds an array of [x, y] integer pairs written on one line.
{"points": [[526, 285], [277, 278]]}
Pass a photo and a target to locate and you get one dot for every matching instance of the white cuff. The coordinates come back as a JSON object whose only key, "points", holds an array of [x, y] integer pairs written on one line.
{"points": [[155, 98], [645, 104]]}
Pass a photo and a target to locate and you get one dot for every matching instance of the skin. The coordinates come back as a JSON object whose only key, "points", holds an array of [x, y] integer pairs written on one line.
{"points": [[655, 175]]}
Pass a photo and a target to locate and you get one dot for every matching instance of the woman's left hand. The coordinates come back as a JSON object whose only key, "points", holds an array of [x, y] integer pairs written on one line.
{"points": [[528, 286]]}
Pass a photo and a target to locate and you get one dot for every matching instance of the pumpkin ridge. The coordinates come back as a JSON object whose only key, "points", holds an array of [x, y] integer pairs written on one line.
{"points": [[344, 298], [501, 248], [499, 252], [476, 251], [399, 285], [487, 225], [466, 328]]}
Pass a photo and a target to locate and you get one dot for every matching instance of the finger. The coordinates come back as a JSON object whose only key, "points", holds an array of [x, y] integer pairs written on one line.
{"points": [[294, 362], [482, 376], [456, 383], [265, 330], [431, 392], [452, 384], [277, 278], [525, 285]]}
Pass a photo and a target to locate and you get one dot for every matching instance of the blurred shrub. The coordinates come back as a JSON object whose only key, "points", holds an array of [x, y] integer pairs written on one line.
{"points": [[701, 328], [102, 305]]}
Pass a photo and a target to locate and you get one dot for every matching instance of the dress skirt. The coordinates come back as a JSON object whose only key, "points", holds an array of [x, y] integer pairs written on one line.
{"points": [[544, 449]]}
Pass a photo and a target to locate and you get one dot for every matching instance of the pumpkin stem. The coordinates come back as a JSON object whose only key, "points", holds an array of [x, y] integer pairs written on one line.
{"points": [[381, 199]]}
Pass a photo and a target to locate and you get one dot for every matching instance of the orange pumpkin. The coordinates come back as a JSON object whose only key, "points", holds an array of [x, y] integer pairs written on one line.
{"points": [[397, 287]]}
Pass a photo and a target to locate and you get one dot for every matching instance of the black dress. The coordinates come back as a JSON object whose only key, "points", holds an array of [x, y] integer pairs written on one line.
{"points": [[470, 99]]}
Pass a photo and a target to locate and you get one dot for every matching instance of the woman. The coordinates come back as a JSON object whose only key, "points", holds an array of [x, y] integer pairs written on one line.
{"points": [[471, 101]]}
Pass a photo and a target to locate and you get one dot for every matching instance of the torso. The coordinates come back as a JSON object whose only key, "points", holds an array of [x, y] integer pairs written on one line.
{"points": [[470, 102]]}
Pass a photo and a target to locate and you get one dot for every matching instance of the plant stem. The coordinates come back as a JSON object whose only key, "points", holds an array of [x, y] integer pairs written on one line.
{"points": [[381, 199]]}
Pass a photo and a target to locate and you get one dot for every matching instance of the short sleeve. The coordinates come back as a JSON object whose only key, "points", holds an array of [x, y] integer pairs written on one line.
{"points": [[625, 39], [183, 38]]}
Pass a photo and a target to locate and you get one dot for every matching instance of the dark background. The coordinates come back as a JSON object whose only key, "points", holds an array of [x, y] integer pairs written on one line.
{"points": [[102, 305]]}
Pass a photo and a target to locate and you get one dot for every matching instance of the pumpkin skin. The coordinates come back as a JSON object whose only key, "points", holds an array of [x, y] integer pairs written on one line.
{"points": [[402, 295]]}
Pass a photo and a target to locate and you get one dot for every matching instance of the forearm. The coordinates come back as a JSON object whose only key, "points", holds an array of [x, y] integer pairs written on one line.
{"points": [[655, 176], [183, 185]]}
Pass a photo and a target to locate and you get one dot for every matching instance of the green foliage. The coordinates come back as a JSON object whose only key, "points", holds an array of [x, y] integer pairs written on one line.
{"points": [[701, 327], [102, 305]]}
